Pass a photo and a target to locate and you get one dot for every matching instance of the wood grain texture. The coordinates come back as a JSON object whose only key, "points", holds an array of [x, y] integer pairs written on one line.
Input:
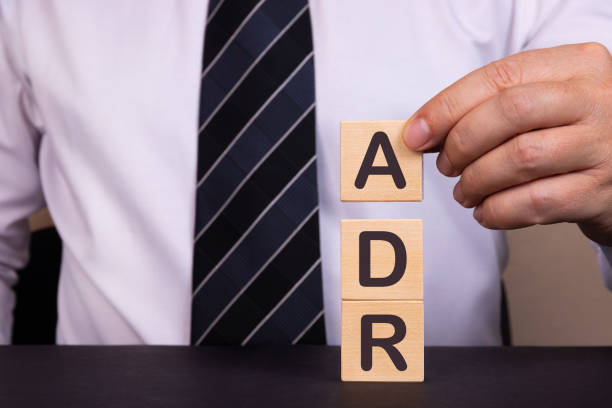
{"points": [[355, 138], [411, 346], [409, 287]]}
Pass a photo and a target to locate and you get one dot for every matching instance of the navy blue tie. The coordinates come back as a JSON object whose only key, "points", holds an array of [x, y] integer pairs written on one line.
{"points": [[257, 265]]}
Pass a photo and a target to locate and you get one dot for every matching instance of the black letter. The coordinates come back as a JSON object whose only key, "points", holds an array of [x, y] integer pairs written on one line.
{"points": [[365, 275], [367, 342], [380, 139]]}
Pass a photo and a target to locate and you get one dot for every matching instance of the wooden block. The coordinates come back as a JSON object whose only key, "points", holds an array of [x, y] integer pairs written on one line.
{"points": [[393, 269], [382, 341], [375, 165]]}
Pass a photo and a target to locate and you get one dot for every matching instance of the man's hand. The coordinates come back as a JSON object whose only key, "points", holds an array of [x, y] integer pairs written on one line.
{"points": [[531, 137]]}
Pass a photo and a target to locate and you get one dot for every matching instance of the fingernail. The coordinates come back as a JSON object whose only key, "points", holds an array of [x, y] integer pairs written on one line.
{"points": [[417, 133], [444, 165], [478, 214], [458, 194]]}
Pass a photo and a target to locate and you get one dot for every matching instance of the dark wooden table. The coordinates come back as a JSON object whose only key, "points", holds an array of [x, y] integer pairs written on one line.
{"points": [[300, 376]]}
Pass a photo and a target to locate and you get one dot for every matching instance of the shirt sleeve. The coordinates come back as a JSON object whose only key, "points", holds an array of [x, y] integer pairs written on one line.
{"points": [[604, 259], [20, 191], [557, 22], [569, 22]]}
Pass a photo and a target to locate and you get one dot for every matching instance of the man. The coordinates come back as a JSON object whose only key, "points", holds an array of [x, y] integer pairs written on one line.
{"points": [[101, 109]]}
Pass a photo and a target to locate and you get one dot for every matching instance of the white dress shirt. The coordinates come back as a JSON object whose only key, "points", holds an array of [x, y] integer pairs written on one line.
{"points": [[98, 115]]}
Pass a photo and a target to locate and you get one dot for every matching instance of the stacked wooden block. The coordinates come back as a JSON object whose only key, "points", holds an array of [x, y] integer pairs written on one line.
{"points": [[382, 259]]}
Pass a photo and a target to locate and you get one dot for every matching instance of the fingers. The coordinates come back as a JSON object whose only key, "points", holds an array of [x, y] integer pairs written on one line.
{"points": [[514, 111], [525, 158], [432, 122], [566, 197]]}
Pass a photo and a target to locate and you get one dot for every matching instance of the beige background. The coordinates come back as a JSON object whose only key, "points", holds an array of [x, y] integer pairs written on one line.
{"points": [[556, 295]]}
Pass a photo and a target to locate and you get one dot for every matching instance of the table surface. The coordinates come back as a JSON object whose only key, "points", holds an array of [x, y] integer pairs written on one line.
{"points": [[302, 376]]}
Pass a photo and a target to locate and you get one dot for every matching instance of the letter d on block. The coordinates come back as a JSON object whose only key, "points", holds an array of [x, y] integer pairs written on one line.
{"points": [[365, 258], [382, 259]]}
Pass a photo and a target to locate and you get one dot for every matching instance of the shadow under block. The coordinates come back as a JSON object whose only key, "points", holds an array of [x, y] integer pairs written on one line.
{"points": [[368, 258], [382, 341], [371, 156]]}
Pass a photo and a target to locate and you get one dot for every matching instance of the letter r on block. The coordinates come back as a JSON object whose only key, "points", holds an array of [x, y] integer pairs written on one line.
{"points": [[382, 340], [368, 342]]}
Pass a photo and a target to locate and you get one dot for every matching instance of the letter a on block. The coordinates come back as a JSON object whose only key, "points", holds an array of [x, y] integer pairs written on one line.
{"points": [[380, 140], [382, 340], [375, 165], [382, 259]]}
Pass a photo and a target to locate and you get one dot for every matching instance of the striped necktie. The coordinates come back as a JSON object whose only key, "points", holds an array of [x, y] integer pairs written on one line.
{"points": [[257, 266]]}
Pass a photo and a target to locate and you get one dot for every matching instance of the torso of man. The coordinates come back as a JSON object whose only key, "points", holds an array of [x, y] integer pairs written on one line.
{"points": [[108, 95]]}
